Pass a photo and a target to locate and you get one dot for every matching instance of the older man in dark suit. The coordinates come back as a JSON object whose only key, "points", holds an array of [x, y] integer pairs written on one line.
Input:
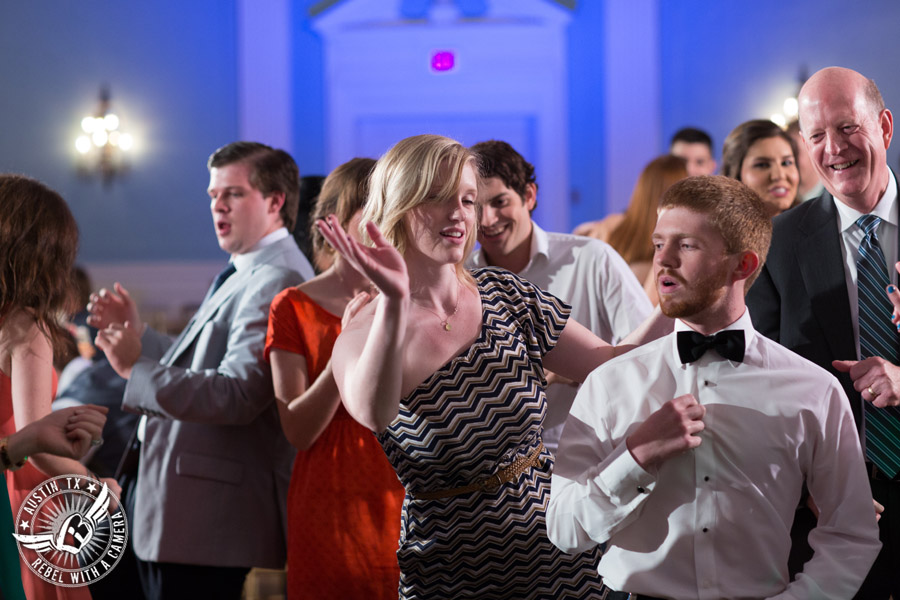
{"points": [[214, 464], [822, 291]]}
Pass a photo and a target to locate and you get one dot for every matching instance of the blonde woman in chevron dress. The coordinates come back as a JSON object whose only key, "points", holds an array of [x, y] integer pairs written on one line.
{"points": [[448, 369]]}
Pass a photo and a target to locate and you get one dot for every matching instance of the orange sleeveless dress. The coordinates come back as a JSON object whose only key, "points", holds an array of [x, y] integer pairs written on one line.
{"points": [[344, 499]]}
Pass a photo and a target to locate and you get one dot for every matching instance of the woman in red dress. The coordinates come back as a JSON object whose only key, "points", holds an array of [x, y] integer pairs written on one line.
{"points": [[38, 242], [344, 501]]}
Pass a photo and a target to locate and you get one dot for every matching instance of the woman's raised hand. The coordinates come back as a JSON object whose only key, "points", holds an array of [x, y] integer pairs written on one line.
{"points": [[381, 263]]}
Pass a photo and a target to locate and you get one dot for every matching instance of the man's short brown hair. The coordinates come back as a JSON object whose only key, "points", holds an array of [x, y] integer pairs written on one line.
{"points": [[736, 211], [498, 159], [271, 171]]}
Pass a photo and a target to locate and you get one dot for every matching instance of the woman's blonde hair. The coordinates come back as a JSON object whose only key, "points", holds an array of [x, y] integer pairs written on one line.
{"points": [[416, 170]]}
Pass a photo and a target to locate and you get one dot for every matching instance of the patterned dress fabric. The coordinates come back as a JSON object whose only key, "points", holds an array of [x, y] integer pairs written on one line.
{"points": [[344, 500], [473, 416]]}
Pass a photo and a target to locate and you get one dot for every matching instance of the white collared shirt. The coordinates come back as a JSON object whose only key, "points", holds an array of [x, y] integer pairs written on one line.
{"points": [[852, 236], [605, 296], [715, 522], [241, 261]]}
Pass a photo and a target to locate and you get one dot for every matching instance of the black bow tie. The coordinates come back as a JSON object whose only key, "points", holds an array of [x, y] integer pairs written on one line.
{"points": [[729, 344]]}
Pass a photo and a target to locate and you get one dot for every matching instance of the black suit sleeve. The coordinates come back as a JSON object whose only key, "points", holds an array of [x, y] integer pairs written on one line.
{"points": [[764, 303]]}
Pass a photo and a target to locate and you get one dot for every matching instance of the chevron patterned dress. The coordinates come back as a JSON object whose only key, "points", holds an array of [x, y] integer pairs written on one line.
{"points": [[475, 415]]}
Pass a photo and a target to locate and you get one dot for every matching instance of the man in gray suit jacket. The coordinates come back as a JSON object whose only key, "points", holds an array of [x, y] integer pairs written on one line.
{"points": [[214, 464]]}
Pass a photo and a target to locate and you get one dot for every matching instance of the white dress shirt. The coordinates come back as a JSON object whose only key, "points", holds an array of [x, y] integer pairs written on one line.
{"points": [[241, 261], [714, 522], [852, 236], [605, 296]]}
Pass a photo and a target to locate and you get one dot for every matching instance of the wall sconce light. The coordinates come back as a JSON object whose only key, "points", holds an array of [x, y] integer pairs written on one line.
{"points": [[103, 145], [790, 108]]}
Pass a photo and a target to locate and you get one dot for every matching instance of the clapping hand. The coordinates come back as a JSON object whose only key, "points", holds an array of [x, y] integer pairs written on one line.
{"points": [[353, 307], [122, 345]]}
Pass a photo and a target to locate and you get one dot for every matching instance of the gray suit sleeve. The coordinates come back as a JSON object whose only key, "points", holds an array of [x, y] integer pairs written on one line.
{"points": [[154, 344], [229, 389]]}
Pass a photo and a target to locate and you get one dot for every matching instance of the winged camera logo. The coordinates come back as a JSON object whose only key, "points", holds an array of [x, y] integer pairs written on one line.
{"points": [[68, 532]]}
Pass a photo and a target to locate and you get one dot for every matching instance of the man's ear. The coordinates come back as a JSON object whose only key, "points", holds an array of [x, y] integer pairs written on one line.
{"points": [[886, 120], [747, 265], [276, 202], [530, 198]]}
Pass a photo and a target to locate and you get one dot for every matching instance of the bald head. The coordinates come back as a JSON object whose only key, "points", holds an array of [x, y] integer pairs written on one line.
{"points": [[847, 131], [840, 78]]}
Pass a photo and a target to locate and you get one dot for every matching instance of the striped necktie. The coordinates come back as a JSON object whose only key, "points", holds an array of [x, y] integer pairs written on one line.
{"points": [[877, 337]]}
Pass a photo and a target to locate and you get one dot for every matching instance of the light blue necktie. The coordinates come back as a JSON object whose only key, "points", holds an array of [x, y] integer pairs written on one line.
{"points": [[877, 337]]}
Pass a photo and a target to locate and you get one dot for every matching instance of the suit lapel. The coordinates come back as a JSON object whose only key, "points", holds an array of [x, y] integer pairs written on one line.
{"points": [[819, 250], [206, 312], [268, 255]]}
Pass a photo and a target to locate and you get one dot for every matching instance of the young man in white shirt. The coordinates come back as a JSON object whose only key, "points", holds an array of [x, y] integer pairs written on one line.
{"points": [[586, 273], [688, 464]]}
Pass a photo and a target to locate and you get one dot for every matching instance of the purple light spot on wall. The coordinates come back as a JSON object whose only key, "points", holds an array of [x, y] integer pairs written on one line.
{"points": [[442, 60]]}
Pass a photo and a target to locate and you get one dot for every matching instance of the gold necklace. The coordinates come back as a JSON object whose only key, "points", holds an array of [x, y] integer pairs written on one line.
{"points": [[445, 322]]}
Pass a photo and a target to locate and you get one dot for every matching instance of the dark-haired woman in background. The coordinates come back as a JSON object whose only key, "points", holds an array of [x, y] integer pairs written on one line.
{"points": [[38, 242], [763, 156]]}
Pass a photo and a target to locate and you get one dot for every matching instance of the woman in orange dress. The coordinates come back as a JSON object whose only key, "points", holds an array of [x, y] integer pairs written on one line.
{"points": [[344, 500], [38, 242]]}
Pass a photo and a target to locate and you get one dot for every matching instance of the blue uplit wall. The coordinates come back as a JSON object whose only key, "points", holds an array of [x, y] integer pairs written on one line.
{"points": [[726, 62], [309, 99], [586, 110], [171, 66], [171, 69]]}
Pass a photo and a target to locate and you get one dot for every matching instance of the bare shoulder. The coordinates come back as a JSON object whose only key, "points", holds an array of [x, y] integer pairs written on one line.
{"points": [[18, 325], [18, 332]]}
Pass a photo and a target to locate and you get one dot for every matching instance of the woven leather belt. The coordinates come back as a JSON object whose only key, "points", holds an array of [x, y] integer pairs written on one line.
{"points": [[608, 594], [492, 483]]}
